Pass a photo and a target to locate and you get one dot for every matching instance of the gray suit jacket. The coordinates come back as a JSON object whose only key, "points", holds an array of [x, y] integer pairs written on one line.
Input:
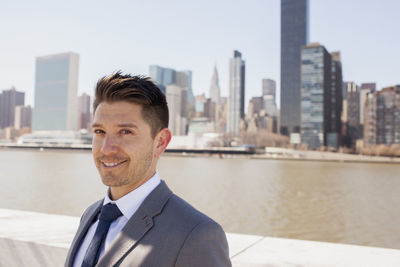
{"points": [[164, 231]]}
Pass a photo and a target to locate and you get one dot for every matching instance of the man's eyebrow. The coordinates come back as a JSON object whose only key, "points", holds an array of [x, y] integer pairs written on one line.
{"points": [[127, 125], [121, 125]]}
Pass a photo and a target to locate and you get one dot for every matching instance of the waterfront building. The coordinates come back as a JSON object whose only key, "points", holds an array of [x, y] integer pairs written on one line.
{"points": [[176, 100], [84, 111], [315, 83], [162, 76], [388, 115], [321, 89], [294, 35], [335, 102], [9, 99], [382, 117], [23, 117], [365, 88], [370, 120], [57, 138], [353, 131], [236, 93], [56, 86]]}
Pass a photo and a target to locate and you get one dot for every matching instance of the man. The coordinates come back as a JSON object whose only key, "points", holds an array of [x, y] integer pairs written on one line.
{"points": [[140, 222]]}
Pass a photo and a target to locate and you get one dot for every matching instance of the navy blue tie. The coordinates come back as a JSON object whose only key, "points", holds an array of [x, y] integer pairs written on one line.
{"points": [[108, 214]]}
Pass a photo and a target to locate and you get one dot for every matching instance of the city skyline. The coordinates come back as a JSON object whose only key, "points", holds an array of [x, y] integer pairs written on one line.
{"points": [[355, 28]]}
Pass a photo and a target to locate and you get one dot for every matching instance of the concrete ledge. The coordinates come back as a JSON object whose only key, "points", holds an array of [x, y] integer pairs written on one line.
{"points": [[37, 239], [289, 252]]}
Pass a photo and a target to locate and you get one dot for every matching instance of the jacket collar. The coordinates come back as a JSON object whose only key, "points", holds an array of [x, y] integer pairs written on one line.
{"points": [[139, 224], [89, 216]]}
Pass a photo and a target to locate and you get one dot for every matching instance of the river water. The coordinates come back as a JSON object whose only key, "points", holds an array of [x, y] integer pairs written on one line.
{"points": [[353, 203]]}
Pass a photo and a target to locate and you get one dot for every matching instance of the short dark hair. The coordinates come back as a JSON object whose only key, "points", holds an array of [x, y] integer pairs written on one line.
{"points": [[135, 89]]}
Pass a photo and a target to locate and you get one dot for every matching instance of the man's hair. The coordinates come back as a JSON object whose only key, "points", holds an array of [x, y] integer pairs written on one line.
{"points": [[135, 89]]}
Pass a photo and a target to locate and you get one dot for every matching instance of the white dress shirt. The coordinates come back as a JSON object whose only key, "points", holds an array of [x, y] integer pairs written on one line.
{"points": [[128, 205]]}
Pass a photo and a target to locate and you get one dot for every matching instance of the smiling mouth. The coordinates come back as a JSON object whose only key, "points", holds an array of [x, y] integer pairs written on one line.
{"points": [[112, 164]]}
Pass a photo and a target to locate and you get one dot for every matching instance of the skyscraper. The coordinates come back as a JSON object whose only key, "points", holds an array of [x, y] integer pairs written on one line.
{"points": [[23, 117], [382, 117], [365, 89], [370, 120], [294, 35], [84, 111], [215, 99], [268, 87], [335, 101], [353, 112], [215, 92], [268, 94], [9, 99], [388, 115], [315, 85], [236, 93], [180, 86], [321, 102], [162, 76], [175, 99], [56, 86]]}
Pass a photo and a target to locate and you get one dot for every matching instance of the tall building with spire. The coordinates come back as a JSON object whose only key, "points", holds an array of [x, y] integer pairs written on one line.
{"points": [[294, 35], [215, 92], [236, 93]]}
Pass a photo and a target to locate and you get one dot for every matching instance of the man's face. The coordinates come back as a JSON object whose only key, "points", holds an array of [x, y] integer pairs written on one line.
{"points": [[124, 150]]}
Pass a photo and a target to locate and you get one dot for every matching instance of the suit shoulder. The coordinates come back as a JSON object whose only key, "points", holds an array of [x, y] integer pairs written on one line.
{"points": [[205, 245], [184, 210], [203, 240]]}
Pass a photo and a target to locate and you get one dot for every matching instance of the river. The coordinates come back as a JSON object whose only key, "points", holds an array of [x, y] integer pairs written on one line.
{"points": [[353, 203]]}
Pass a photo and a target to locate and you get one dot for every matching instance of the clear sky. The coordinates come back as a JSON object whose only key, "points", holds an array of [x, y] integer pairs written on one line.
{"points": [[194, 35]]}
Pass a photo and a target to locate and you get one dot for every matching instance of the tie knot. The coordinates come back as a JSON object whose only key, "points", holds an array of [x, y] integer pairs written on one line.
{"points": [[109, 212]]}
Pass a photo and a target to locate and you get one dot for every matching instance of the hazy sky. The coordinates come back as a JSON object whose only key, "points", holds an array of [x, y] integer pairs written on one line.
{"points": [[194, 35]]}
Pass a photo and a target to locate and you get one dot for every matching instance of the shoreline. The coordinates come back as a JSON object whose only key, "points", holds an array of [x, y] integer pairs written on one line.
{"points": [[228, 153]]}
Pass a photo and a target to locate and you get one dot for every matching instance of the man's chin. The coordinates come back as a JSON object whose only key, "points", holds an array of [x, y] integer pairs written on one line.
{"points": [[110, 180]]}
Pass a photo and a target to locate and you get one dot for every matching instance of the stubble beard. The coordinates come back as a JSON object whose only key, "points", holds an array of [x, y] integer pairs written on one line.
{"points": [[134, 173]]}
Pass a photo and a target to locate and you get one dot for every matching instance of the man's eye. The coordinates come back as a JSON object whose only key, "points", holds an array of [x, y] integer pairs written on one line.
{"points": [[98, 131], [126, 131]]}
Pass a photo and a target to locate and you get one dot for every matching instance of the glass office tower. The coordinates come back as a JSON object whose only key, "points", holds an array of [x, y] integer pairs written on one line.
{"points": [[56, 86], [236, 93], [294, 35]]}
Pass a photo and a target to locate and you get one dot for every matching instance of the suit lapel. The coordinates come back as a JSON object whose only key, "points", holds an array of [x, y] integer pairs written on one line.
{"points": [[86, 222], [137, 226]]}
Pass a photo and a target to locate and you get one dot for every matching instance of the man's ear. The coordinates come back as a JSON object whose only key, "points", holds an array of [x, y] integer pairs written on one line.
{"points": [[162, 140]]}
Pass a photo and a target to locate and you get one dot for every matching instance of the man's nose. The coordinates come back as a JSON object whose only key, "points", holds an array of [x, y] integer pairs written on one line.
{"points": [[110, 145]]}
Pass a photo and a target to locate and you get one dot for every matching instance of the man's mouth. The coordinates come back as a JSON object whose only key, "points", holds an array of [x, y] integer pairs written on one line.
{"points": [[112, 164]]}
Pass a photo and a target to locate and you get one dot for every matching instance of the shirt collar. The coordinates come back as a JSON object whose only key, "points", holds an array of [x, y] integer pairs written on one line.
{"points": [[129, 203]]}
